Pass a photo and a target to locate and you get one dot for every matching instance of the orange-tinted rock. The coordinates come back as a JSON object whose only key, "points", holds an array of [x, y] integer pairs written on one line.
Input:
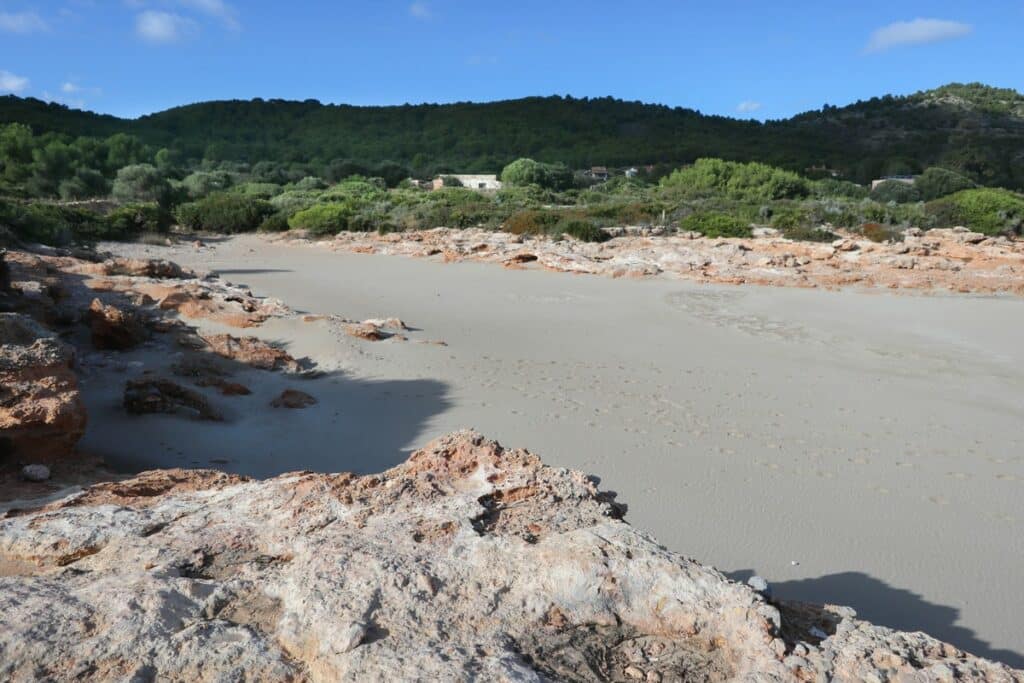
{"points": [[41, 412], [252, 351], [115, 328]]}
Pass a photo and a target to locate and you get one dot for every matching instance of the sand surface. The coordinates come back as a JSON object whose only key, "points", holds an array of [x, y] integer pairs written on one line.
{"points": [[861, 448]]}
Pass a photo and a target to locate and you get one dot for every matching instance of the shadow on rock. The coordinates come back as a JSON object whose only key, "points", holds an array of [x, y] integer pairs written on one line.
{"points": [[878, 602]]}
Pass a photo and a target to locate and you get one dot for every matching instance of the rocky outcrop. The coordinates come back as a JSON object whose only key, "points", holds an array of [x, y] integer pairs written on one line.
{"points": [[953, 259], [293, 399], [115, 328], [252, 351], [41, 412], [155, 395], [468, 561]]}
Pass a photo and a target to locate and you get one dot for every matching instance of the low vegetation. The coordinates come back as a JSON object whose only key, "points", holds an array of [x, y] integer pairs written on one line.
{"points": [[58, 189]]}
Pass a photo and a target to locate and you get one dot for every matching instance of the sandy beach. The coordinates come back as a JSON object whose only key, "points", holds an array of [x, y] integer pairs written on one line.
{"points": [[852, 447]]}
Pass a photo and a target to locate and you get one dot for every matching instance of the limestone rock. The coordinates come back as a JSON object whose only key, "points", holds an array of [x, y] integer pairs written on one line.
{"points": [[115, 328], [155, 395], [201, 576], [41, 412], [293, 399], [252, 351]]}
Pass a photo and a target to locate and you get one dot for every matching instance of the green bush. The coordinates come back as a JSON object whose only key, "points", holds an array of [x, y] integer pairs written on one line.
{"points": [[523, 172], [54, 225], [986, 210], [140, 183], [322, 219], [532, 222], [790, 219], [293, 201], [712, 224], [938, 182], [805, 233], [830, 187], [734, 180], [275, 222], [258, 190], [895, 191], [583, 231], [134, 219], [223, 212], [203, 183]]}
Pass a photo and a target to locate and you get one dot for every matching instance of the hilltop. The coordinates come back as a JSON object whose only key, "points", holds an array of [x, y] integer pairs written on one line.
{"points": [[973, 128]]}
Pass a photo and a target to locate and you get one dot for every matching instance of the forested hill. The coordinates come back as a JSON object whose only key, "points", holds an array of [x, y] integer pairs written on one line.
{"points": [[973, 128]]}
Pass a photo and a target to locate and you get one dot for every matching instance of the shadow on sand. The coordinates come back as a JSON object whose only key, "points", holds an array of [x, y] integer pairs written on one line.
{"points": [[885, 605]]}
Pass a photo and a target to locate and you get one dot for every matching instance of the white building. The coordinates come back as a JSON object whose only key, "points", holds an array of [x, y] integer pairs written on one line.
{"points": [[473, 182]]}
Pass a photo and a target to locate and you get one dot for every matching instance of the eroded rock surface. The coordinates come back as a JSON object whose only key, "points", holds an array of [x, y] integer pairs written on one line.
{"points": [[41, 412], [953, 259], [467, 561]]}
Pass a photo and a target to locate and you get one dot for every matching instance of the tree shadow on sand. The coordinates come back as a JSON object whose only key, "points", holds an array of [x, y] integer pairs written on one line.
{"points": [[885, 605]]}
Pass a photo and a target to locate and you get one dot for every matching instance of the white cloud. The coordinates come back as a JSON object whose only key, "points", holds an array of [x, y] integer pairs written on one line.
{"points": [[916, 32], [163, 27], [216, 8], [11, 83], [419, 10], [748, 106], [70, 87], [21, 22]]}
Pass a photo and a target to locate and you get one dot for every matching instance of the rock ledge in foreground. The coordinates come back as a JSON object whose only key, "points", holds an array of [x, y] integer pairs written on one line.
{"points": [[467, 561]]}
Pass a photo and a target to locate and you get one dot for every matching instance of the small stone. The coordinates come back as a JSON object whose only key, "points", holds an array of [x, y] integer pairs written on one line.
{"points": [[653, 677], [350, 636], [635, 673], [35, 472]]}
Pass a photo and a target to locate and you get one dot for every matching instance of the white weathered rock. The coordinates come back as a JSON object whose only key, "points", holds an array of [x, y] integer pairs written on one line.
{"points": [[466, 562]]}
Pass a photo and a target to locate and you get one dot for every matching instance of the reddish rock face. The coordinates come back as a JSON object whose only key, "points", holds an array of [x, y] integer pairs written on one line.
{"points": [[41, 412], [114, 328], [252, 351]]}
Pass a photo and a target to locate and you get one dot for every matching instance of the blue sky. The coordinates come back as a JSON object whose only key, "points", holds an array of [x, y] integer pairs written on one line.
{"points": [[759, 59]]}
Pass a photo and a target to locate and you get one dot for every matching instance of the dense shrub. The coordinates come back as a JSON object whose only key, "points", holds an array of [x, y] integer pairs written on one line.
{"points": [[86, 183], [258, 190], [309, 183], [522, 172], [749, 182], [806, 233], [275, 222], [712, 224], [322, 219], [583, 231], [52, 224], [203, 183], [293, 201], [895, 191], [223, 212], [986, 210], [938, 182], [134, 219], [140, 183], [830, 187], [532, 222]]}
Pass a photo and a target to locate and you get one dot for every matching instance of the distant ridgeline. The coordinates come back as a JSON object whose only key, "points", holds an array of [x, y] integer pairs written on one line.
{"points": [[974, 129]]}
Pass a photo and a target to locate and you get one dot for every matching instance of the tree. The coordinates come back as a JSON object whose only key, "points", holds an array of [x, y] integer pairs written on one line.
{"points": [[523, 172], [140, 183], [124, 150], [938, 182]]}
